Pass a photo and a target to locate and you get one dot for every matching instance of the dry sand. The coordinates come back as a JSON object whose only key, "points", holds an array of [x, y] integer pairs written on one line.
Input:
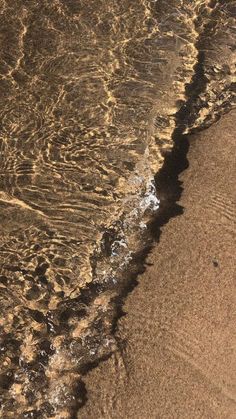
{"points": [[180, 326]]}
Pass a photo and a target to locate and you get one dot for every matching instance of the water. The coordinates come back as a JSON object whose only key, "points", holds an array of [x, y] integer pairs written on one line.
{"points": [[89, 96]]}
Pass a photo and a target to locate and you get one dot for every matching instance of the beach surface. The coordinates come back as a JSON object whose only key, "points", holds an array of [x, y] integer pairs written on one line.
{"points": [[97, 100], [177, 339]]}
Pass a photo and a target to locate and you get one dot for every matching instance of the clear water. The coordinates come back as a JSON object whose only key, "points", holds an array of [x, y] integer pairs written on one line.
{"points": [[89, 93]]}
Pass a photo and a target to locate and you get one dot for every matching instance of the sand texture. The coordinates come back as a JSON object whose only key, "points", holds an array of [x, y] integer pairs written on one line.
{"points": [[177, 340], [97, 100]]}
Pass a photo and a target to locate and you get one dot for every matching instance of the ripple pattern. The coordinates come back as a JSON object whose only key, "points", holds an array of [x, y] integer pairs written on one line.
{"points": [[89, 93]]}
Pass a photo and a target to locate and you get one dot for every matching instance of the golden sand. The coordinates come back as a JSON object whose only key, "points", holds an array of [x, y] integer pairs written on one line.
{"points": [[180, 359]]}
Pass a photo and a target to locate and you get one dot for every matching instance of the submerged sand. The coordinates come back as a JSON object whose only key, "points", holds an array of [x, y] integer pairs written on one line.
{"points": [[93, 95], [179, 360]]}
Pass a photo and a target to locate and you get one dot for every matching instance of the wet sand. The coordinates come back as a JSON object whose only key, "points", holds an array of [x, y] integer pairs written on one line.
{"points": [[179, 359], [95, 97]]}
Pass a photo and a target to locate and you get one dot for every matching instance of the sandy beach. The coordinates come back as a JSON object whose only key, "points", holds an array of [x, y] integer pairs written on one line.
{"points": [[177, 339], [117, 209]]}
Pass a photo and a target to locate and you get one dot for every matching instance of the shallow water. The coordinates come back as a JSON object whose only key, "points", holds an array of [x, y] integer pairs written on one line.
{"points": [[90, 97]]}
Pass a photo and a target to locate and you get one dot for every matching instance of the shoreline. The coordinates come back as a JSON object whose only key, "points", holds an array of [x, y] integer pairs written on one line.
{"points": [[92, 110], [177, 336]]}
